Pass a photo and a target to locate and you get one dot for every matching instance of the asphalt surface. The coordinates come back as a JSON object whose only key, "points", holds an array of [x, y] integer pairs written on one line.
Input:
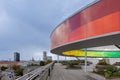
{"points": [[60, 73], [5, 76]]}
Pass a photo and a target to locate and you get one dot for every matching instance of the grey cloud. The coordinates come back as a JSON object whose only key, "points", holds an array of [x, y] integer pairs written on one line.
{"points": [[28, 23]]}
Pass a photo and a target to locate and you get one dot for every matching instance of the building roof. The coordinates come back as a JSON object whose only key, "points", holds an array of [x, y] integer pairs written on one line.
{"points": [[8, 62]]}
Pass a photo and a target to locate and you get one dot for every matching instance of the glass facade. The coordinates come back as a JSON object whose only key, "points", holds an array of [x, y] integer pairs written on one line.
{"points": [[101, 18]]}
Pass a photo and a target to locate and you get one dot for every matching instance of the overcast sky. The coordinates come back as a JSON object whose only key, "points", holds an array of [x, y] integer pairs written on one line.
{"points": [[26, 25]]}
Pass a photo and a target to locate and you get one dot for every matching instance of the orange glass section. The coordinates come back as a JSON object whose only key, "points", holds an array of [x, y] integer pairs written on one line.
{"points": [[98, 27]]}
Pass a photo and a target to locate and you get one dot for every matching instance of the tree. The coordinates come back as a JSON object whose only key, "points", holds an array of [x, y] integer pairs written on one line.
{"points": [[18, 70], [15, 67], [102, 62], [42, 63], [48, 61], [3, 68]]}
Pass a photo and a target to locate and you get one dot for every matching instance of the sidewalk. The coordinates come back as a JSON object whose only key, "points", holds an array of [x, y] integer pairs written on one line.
{"points": [[60, 73]]}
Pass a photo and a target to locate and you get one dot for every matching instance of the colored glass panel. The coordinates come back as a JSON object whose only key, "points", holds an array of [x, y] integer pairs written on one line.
{"points": [[93, 53], [101, 18]]}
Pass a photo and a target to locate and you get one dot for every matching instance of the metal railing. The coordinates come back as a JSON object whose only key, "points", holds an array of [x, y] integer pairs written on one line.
{"points": [[41, 73]]}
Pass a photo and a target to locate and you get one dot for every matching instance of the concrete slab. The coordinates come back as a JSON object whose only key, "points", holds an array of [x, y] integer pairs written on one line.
{"points": [[60, 73]]}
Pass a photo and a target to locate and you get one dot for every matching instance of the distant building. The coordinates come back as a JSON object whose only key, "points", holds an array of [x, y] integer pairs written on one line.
{"points": [[49, 58], [20, 63], [114, 60], [44, 55], [8, 63], [33, 59], [16, 56]]}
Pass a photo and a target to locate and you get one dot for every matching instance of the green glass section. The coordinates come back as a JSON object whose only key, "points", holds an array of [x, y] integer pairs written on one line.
{"points": [[93, 53]]}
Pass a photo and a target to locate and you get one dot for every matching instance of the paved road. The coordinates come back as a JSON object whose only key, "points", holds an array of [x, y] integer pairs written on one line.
{"points": [[7, 76], [60, 73]]}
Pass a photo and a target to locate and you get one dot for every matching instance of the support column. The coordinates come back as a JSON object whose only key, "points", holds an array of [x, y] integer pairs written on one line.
{"points": [[58, 58], [65, 58], [85, 60]]}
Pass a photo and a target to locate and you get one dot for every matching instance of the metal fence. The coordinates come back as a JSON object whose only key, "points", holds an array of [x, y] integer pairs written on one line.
{"points": [[39, 74]]}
